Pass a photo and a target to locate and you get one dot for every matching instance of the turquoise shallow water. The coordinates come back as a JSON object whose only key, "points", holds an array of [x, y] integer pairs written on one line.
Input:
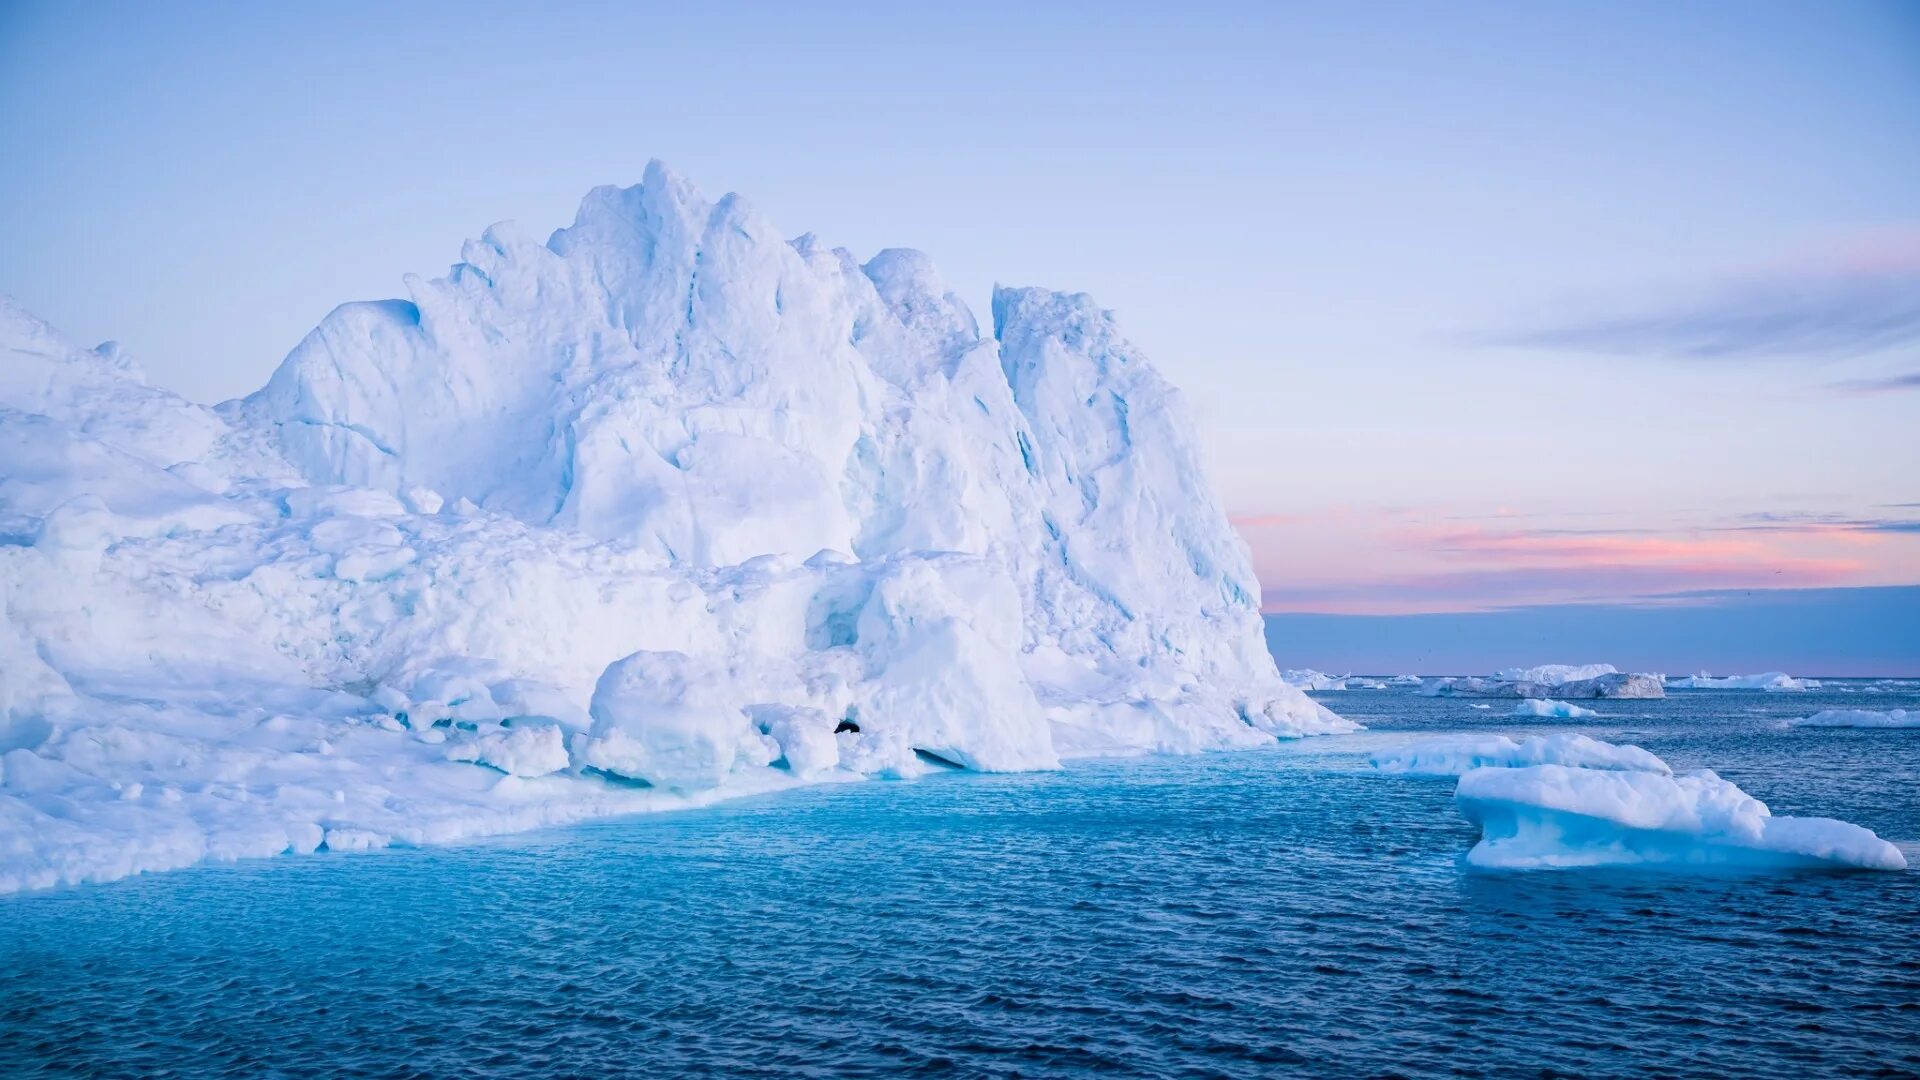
{"points": [[1253, 914]]}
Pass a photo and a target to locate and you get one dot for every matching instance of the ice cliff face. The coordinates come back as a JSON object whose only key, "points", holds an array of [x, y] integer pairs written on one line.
{"points": [[664, 509]]}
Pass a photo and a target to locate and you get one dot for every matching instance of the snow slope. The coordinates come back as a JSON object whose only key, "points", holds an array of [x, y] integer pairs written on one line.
{"points": [[663, 510]]}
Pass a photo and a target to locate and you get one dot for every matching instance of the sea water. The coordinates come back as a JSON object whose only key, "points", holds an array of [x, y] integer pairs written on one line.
{"points": [[1245, 914]]}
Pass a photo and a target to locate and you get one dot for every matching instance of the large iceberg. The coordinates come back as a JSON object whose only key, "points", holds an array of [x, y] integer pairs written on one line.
{"points": [[661, 510]]}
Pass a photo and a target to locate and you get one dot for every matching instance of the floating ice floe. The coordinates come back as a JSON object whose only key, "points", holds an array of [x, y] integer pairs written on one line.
{"points": [[1550, 707], [1546, 816], [1859, 718], [1569, 801]]}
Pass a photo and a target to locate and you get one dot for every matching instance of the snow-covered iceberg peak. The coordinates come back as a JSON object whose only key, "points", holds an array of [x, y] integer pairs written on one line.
{"points": [[667, 373], [666, 370]]}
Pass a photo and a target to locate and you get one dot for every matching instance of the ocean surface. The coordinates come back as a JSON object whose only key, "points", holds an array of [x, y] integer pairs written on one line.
{"points": [[1282, 912]]}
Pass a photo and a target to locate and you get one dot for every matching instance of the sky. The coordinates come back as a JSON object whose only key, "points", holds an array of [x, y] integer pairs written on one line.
{"points": [[1517, 309]]}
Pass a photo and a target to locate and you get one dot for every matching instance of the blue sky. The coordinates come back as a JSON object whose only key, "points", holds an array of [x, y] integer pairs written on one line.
{"points": [[1479, 306]]}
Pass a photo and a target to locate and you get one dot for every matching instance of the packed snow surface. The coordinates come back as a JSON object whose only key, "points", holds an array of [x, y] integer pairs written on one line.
{"points": [[1770, 680], [1566, 800], [1455, 755], [1859, 718], [1550, 707], [1555, 674], [1552, 680], [662, 510]]}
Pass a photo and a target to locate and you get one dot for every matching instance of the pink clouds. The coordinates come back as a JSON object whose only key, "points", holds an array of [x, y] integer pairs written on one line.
{"points": [[1391, 563]]}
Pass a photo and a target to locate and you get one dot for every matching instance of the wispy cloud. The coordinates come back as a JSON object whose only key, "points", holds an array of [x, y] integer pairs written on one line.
{"points": [[1827, 525], [1408, 566], [1891, 384], [1496, 588], [1854, 298]]}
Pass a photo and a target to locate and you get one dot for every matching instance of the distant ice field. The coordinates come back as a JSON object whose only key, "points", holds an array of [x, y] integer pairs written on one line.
{"points": [[1288, 911]]}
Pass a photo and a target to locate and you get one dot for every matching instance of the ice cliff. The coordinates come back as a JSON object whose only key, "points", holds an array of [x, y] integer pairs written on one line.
{"points": [[664, 509]]}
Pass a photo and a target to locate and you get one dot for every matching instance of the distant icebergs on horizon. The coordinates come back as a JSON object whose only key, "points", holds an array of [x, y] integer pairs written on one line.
{"points": [[1309, 679], [1549, 681], [1769, 680]]}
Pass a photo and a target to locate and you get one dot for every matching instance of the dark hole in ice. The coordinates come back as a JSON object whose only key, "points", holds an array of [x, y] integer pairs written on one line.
{"points": [[615, 778]]}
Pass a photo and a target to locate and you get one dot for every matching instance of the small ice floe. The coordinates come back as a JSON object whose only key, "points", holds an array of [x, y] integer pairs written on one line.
{"points": [[1546, 816], [1550, 707], [1570, 801], [1859, 718]]}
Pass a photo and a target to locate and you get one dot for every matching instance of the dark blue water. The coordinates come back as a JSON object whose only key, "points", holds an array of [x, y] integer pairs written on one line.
{"points": [[1254, 914]]}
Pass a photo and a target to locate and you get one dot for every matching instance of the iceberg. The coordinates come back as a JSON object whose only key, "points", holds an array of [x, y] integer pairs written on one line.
{"points": [[1858, 718], [1551, 680], [1550, 707], [1555, 816], [1771, 680], [1566, 800], [662, 510]]}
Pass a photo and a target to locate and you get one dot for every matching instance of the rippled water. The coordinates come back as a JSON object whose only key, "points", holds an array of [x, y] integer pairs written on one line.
{"points": [[1230, 915]]}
